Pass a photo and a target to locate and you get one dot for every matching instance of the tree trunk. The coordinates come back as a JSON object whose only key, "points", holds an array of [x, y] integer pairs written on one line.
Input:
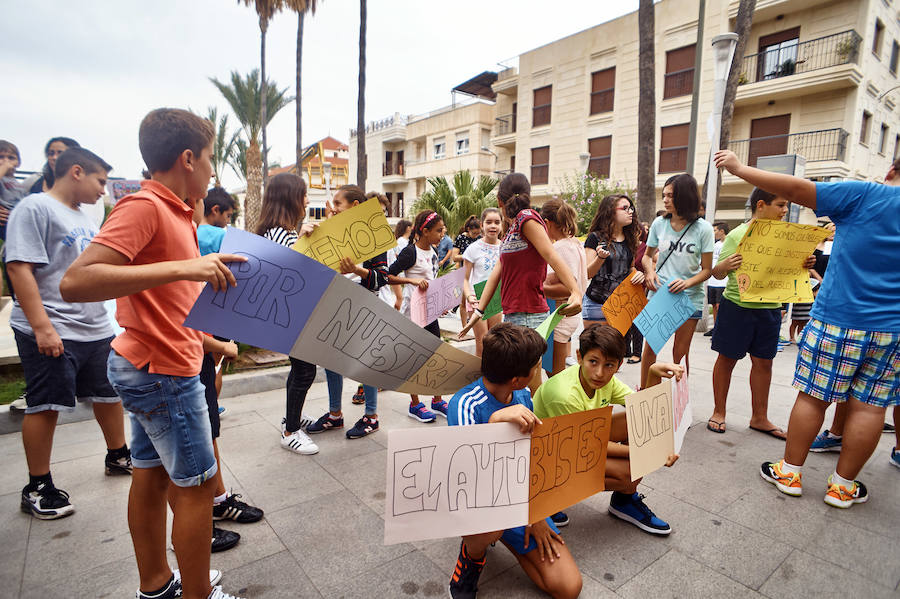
{"points": [[253, 199], [742, 26], [361, 160], [299, 70], [263, 95], [646, 175]]}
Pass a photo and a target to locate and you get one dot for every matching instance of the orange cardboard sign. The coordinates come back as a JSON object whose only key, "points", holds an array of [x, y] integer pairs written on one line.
{"points": [[624, 304], [568, 461]]}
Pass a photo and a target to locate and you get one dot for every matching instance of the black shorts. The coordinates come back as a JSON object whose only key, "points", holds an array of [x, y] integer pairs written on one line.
{"points": [[740, 331], [208, 379], [54, 383], [714, 295]]}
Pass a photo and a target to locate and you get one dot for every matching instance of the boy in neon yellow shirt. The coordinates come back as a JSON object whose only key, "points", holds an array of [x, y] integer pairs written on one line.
{"points": [[592, 384]]}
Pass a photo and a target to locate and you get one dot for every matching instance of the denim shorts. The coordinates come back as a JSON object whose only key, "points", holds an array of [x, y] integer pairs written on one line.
{"points": [[54, 383], [591, 310], [169, 421], [526, 319]]}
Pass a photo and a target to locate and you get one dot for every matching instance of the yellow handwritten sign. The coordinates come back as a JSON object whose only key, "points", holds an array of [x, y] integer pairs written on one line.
{"points": [[773, 256], [358, 233]]}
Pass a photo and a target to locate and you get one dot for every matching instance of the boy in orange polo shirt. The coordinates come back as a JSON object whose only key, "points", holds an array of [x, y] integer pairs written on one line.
{"points": [[146, 255]]}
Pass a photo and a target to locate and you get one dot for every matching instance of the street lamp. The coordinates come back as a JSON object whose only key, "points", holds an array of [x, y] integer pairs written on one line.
{"points": [[584, 160], [723, 54]]}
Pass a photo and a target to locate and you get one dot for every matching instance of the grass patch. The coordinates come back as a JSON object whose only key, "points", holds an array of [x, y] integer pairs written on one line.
{"points": [[12, 383]]}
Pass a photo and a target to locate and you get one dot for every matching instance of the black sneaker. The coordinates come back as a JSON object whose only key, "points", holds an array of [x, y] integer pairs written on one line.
{"points": [[232, 509], [46, 502], [223, 540], [560, 519], [326, 423], [464, 582], [364, 426], [118, 466], [172, 590]]}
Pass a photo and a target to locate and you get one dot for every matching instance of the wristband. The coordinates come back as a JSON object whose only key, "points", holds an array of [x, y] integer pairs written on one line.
{"points": [[479, 310]]}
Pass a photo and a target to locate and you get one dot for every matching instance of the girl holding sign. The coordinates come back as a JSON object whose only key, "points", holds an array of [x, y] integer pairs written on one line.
{"points": [[685, 244], [418, 263], [479, 260]]}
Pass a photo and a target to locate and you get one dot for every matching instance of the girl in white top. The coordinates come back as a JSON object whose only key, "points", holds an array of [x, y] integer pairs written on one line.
{"points": [[393, 294], [479, 260], [560, 218]]}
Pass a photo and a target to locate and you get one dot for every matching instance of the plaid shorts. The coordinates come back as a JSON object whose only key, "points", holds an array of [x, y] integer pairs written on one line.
{"points": [[836, 363]]}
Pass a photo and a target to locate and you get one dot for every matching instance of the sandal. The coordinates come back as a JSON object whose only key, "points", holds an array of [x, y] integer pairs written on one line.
{"points": [[715, 426], [633, 360]]}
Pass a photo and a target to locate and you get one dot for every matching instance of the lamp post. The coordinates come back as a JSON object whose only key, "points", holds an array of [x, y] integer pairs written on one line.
{"points": [[584, 159], [723, 53]]}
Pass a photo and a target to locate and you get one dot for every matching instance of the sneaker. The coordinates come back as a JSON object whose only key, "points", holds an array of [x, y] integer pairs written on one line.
{"points": [[708, 333], [560, 519], [439, 408], [464, 582], [171, 591], [218, 593], [19, 404], [118, 466], [888, 428], [223, 540], [299, 442], [325, 423], [304, 423], [421, 413], [895, 457], [221, 411], [632, 508], [46, 502], [823, 442], [786, 483], [214, 576], [841, 496], [232, 509], [364, 426], [359, 397]]}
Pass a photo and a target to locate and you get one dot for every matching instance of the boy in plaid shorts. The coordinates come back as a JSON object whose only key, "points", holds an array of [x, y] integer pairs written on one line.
{"points": [[850, 350]]}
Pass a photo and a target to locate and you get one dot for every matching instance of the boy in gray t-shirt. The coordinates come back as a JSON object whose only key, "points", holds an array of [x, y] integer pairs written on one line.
{"points": [[63, 346]]}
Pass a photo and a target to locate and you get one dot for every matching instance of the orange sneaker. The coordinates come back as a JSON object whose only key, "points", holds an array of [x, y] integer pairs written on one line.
{"points": [[784, 482], [841, 496]]}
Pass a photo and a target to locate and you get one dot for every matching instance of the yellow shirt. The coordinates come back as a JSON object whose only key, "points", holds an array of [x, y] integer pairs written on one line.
{"points": [[563, 394]]}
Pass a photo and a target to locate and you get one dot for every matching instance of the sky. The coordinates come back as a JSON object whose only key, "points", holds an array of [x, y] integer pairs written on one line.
{"points": [[91, 69]]}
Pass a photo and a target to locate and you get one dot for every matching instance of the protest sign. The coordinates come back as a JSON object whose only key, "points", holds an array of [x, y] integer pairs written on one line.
{"points": [[493, 307], [287, 302], [358, 233], [568, 461], [442, 294], [773, 253], [546, 328], [682, 414], [624, 304], [454, 481], [650, 432], [662, 316], [119, 188]]}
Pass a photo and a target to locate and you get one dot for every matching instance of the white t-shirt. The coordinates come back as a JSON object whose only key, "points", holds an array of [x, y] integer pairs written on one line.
{"points": [[386, 292], [714, 282], [682, 258], [483, 257]]}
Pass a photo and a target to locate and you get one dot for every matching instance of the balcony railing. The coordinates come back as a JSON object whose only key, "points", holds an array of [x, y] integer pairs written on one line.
{"points": [[815, 146], [505, 125], [831, 50], [679, 83], [392, 167]]}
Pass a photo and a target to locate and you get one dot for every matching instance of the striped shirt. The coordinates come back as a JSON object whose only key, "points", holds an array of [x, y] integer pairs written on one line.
{"points": [[474, 404], [282, 236]]}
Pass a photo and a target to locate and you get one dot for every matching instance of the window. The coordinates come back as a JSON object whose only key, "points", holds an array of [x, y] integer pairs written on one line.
{"points": [[673, 143], [864, 128], [878, 38], [512, 163], [401, 209], [895, 55], [540, 165], [462, 143], [603, 87], [542, 100], [440, 148], [316, 213], [777, 54], [485, 138], [768, 137], [679, 72], [896, 147], [882, 140], [600, 149]]}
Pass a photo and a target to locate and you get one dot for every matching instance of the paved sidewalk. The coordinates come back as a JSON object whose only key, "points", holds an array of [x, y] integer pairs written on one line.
{"points": [[733, 534]]}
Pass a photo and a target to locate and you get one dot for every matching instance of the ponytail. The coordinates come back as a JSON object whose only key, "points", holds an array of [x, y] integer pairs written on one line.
{"points": [[561, 214], [515, 194]]}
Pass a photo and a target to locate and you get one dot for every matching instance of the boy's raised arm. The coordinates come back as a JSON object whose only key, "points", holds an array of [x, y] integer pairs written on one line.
{"points": [[101, 273]]}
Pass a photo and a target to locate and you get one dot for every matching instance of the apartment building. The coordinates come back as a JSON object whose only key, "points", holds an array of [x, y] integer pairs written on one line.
{"points": [[816, 81], [323, 164], [403, 152]]}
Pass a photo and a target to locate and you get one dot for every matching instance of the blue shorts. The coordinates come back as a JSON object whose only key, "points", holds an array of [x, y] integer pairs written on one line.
{"points": [[515, 538], [169, 421], [55, 383], [836, 363], [526, 319], [740, 331], [591, 310]]}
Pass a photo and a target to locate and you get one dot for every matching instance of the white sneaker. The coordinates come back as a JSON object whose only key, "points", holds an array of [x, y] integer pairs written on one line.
{"points": [[19, 405], [214, 576], [218, 593], [299, 442]]}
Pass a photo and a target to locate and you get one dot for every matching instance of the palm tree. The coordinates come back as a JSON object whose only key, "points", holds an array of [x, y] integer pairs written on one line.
{"points": [[243, 95], [457, 202], [646, 175], [222, 144], [301, 7], [361, 161], [238, 158]]}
